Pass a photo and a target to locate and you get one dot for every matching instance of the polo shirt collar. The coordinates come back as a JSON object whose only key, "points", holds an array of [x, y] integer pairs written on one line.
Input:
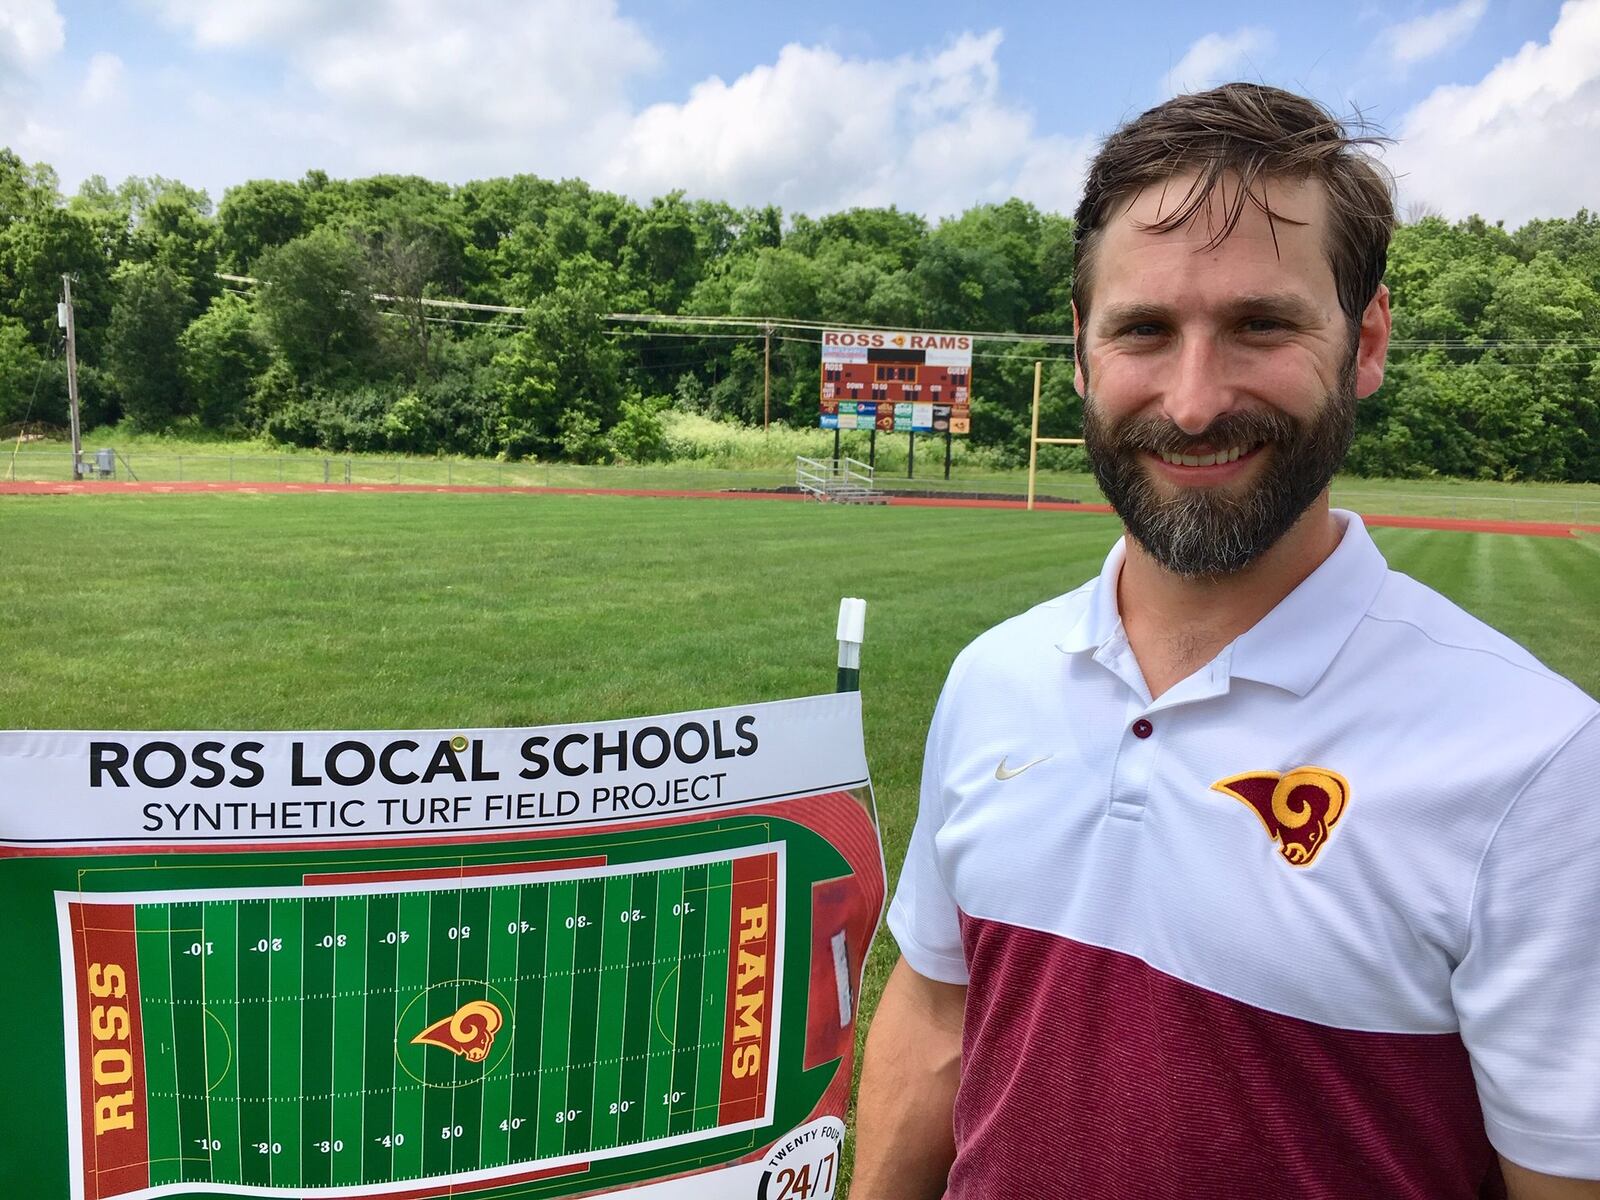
{"points": [[1099, 620], [1294, 644]]}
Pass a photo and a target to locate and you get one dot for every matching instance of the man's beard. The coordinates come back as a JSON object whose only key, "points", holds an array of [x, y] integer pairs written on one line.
{"points": [[1207, 532]]}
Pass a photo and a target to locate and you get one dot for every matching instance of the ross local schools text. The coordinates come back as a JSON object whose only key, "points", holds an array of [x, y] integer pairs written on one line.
{"points": [[597, 758]]}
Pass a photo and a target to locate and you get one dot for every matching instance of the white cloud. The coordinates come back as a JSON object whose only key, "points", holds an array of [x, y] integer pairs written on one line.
{"points": [[816, 131], [31, 35], [420, 85], [1518, 143], [1432, 33], [239, 23], [102, 81], [542, 86], [31, 31], [1217, 58]]}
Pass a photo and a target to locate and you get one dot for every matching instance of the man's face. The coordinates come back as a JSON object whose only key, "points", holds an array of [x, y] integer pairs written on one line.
{"points": [[1220, 384]]}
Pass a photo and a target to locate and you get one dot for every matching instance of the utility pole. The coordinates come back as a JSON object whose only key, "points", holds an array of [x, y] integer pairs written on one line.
{"points": [[766, 378], [65, 318]]}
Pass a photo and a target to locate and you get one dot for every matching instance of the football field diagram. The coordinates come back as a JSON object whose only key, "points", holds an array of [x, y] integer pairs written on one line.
{"points": [[403, 1032]]}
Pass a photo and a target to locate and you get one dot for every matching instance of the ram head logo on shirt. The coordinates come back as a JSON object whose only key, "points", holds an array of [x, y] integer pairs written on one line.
{"points": [[1298, 807]]}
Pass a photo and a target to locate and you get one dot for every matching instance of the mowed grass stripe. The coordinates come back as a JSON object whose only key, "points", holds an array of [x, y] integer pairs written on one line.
{"points": [[350, 984], [380, 1018], [317, 1041], [494, 1097], [253, 1037], [154, 940], [221, 984], [1541, 592]]}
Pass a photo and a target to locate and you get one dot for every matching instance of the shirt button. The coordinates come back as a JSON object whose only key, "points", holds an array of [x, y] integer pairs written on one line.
{"points": [[1143, 728]]}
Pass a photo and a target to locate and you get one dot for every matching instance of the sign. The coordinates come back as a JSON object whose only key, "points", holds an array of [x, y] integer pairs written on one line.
{"points": [[896, 380], [616, 957]]}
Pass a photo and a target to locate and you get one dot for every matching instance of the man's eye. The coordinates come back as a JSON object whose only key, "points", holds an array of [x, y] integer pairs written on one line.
{"points": [[1145, 329], [1263, 325]]}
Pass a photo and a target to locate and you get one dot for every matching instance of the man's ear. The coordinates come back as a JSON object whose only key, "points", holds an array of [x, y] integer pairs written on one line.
{"points": [[1372, 344], [1077, 353]]}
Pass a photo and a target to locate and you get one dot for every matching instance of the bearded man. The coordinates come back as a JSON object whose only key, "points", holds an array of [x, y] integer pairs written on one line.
{"points": [[1250, 868]]}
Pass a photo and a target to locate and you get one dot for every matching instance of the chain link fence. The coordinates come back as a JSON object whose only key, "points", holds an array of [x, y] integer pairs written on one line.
{"points": [[55, 466]]}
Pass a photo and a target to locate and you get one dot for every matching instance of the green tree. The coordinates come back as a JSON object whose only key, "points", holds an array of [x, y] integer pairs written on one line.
{"points": [[147, 319], [663, 252], [34, 254], [967, 287], [25, 191], [561, 379], [316, 305], [25, 393], [221, 358], [258, 216]]}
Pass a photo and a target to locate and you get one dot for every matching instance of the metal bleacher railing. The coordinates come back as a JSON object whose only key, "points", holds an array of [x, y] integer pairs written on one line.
{"points": [[841, 480]]}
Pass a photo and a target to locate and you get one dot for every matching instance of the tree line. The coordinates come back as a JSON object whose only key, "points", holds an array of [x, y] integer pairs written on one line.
{"points": [[1494, 374]]}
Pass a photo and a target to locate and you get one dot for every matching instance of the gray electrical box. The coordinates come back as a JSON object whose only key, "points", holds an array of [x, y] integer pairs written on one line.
{"points": [[105, 463]]}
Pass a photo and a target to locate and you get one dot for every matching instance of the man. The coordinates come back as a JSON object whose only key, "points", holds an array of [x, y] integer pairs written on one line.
{"points": [[1249, 869]]}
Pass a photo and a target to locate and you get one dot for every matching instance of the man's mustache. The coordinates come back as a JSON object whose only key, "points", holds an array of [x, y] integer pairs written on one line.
{"points": [[1159, 435]]}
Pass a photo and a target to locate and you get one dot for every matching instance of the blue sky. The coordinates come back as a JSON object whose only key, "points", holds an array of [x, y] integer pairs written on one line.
{"points": [[933, 106]]}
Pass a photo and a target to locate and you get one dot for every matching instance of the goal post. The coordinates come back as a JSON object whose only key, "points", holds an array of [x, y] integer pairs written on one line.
{"points": [[1034, 440]]}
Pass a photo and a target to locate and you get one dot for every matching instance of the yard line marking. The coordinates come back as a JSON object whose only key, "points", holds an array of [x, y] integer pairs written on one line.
{"points": [[172, 1010], [333, 1042], [455, 1006], [205, 1040], [366, 977]]}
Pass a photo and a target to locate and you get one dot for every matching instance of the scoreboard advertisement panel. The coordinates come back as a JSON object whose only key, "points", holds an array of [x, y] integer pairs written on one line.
{"points": [[619, 958], [896, 381]]}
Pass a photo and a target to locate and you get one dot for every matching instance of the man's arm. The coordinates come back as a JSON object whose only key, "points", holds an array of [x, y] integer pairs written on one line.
{"points": [[904, 1140], [1523, 1184]]}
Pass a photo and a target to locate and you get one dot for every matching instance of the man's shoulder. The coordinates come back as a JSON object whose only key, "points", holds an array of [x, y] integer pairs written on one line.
{"points": [[1457, 650], [1021, 642]]}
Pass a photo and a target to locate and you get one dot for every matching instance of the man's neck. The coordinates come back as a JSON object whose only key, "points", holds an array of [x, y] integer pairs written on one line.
{"points": [[1177, 625]]}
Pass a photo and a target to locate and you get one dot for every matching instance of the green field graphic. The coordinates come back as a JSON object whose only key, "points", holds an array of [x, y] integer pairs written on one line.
{"points": [[283, 1029]]}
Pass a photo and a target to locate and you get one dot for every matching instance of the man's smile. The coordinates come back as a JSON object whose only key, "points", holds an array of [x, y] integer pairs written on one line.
{"points": [[1211, 459]]}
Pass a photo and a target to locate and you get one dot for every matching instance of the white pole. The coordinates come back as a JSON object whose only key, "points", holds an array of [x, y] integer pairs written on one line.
{"points": [[851, 633]]}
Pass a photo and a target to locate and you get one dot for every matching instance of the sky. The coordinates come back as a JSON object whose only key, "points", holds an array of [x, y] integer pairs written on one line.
{"points": [[1494, 105]]}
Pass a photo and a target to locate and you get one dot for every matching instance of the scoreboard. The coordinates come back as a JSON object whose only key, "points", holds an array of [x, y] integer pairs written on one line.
{"points": [[896, 381]]}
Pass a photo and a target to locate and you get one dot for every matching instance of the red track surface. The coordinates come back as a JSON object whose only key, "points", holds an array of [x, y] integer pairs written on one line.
{"points": [[1560, 529]]}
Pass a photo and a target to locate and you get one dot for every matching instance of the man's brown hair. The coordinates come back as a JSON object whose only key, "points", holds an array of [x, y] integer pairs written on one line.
{"points": [[1250, 133]]}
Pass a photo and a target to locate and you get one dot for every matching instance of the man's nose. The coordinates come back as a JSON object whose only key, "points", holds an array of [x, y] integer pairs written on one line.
{"points": [[1199, 390]]}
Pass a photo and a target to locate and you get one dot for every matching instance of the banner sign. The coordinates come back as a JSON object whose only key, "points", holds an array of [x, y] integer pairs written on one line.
{"points": [[619, 957], [896, 380]]}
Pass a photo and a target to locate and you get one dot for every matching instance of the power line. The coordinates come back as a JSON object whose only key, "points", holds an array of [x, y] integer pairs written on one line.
{"points": [[759, 326]]}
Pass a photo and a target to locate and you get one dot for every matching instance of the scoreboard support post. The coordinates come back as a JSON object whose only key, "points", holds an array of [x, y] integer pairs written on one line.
{"points": [[947, 454], [911, 457], [872, 448]]}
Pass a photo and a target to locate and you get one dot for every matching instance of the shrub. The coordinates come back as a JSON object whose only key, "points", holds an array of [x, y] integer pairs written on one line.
{"points": [[641, 436]]}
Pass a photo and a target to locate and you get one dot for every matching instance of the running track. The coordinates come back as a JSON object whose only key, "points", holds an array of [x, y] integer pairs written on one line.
{"points": [[1559, 529]]}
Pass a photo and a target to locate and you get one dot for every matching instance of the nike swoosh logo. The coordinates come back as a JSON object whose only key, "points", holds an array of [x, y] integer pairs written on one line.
{"points": [[1002, 772]]}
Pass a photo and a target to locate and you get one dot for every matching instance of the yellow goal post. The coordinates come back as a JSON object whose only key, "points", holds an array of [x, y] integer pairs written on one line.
{"points": [[1034, 440]]}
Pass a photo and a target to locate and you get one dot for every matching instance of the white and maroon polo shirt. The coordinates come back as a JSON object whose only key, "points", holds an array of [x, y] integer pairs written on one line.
{"points": [[1322, 921]]}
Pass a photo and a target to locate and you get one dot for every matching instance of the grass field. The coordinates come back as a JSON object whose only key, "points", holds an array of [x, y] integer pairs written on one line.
{"points": [[404, 611], [273, 1017], [730, 457]]}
